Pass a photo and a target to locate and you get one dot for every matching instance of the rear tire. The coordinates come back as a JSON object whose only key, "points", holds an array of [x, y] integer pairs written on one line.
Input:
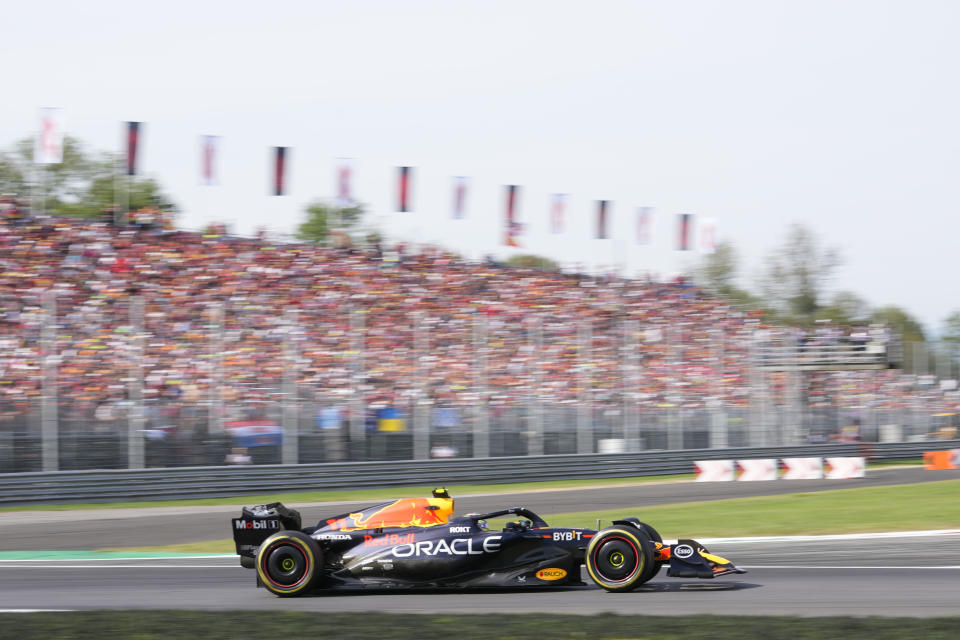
{"points": [[289, 563], [620, 558]]}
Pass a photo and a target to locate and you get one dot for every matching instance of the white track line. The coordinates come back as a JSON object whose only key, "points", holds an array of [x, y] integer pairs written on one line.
{"points": [[844, 567], [33, 610], [833, 537], [130, 566]]}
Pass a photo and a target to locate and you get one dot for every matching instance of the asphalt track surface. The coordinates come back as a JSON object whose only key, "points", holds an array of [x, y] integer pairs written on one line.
{"points": [[113, 528], [904, 576], [915, 575]]}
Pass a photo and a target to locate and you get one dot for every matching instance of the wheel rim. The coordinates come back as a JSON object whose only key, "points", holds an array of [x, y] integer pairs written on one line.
{"points": [[286, 565], [616, 559]]}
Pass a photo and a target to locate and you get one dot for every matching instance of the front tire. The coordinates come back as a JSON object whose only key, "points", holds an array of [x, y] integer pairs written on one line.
{"points": [[620, 558], [288, 563]]}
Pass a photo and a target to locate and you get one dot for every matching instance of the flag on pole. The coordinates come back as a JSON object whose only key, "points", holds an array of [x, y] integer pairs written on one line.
{"points": [[49, 148], [279, 170], [344, 182], [602, 210], [133, 142], [513, 229], [208, 160], [708, 235], [558, 206], [644, 225], [459, 197], [685, 224], [403, 189]]}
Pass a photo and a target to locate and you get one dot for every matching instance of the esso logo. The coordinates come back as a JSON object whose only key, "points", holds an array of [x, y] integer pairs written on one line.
{"points": [[683, 551], [551, 574]]}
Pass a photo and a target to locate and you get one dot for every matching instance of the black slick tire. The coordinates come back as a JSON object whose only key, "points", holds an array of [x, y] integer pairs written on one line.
{"points": [[289, 563], [620, 558]]}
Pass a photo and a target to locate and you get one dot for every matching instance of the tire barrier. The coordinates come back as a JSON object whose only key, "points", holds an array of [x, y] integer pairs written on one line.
{"points": [[802, 468], [65, 487], [844, 468], [938, 460], [714, 470], [757, 470], [766, 469]]}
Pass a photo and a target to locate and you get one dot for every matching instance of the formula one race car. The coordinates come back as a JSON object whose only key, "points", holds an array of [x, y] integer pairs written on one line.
{"points": [[415, 543]]}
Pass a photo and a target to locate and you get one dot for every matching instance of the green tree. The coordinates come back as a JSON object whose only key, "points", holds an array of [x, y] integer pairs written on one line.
{"points": [[901, 322], [846, 307], [528, 261], [797, 274], [82, 185], [323, 219], [951, 327]]}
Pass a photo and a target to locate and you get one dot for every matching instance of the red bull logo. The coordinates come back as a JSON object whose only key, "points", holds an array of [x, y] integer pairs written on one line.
{"points": [[388, 540]]}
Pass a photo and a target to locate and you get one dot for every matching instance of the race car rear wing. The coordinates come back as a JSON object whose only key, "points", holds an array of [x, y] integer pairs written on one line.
{"points": [[257, 523]]}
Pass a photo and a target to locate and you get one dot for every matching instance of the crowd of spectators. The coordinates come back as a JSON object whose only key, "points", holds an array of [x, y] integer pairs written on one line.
{"points": [[436, 327]]}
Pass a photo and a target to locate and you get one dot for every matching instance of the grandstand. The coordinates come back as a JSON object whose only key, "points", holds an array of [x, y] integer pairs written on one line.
{"points": [[185, 340]]}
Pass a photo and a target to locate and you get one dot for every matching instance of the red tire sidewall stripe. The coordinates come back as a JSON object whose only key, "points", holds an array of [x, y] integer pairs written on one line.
{"points": [[636, 552], [306, 559]]}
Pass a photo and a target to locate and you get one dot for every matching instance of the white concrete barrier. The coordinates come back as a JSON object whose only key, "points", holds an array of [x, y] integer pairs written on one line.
{"points": [[845, 468], [757, 470], [713, 470], [802, 468]]}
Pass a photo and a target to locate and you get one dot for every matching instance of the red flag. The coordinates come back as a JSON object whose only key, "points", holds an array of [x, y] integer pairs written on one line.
{"points": [[459, 197], [208, 156], [602, 209], [557, 209], [133, 140], [279, 170], [344, 178], [513, 228], [403, 192], [644, 224], [683, 232]]}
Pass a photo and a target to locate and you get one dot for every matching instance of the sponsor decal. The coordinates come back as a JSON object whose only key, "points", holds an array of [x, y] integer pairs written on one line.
{"points": [[334, 536], [256, 524], [683, 551], [521, 578], [567, 536], [552, 573], [459, 529], [389, 540], [455, 547]]}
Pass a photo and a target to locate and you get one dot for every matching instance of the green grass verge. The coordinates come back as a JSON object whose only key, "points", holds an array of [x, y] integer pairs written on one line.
{"points": [[229, 625], [930, 505], [351, 495]]}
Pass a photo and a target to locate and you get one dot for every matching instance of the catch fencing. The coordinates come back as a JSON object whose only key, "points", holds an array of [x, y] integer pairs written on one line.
{"points": [[139, 386]]}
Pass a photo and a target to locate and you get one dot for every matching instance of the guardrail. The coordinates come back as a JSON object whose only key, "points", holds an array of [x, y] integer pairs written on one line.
{"points": [[64, 487]]}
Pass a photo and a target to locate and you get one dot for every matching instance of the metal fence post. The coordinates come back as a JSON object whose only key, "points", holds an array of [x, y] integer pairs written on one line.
{"points": [[675, 426], [481, 422], [49, 426], [585, 382], [631, 380], [291, 375], [535, 410], [215, 414], [719, 431], [136, 422], [421, 410], [358, 405]]}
